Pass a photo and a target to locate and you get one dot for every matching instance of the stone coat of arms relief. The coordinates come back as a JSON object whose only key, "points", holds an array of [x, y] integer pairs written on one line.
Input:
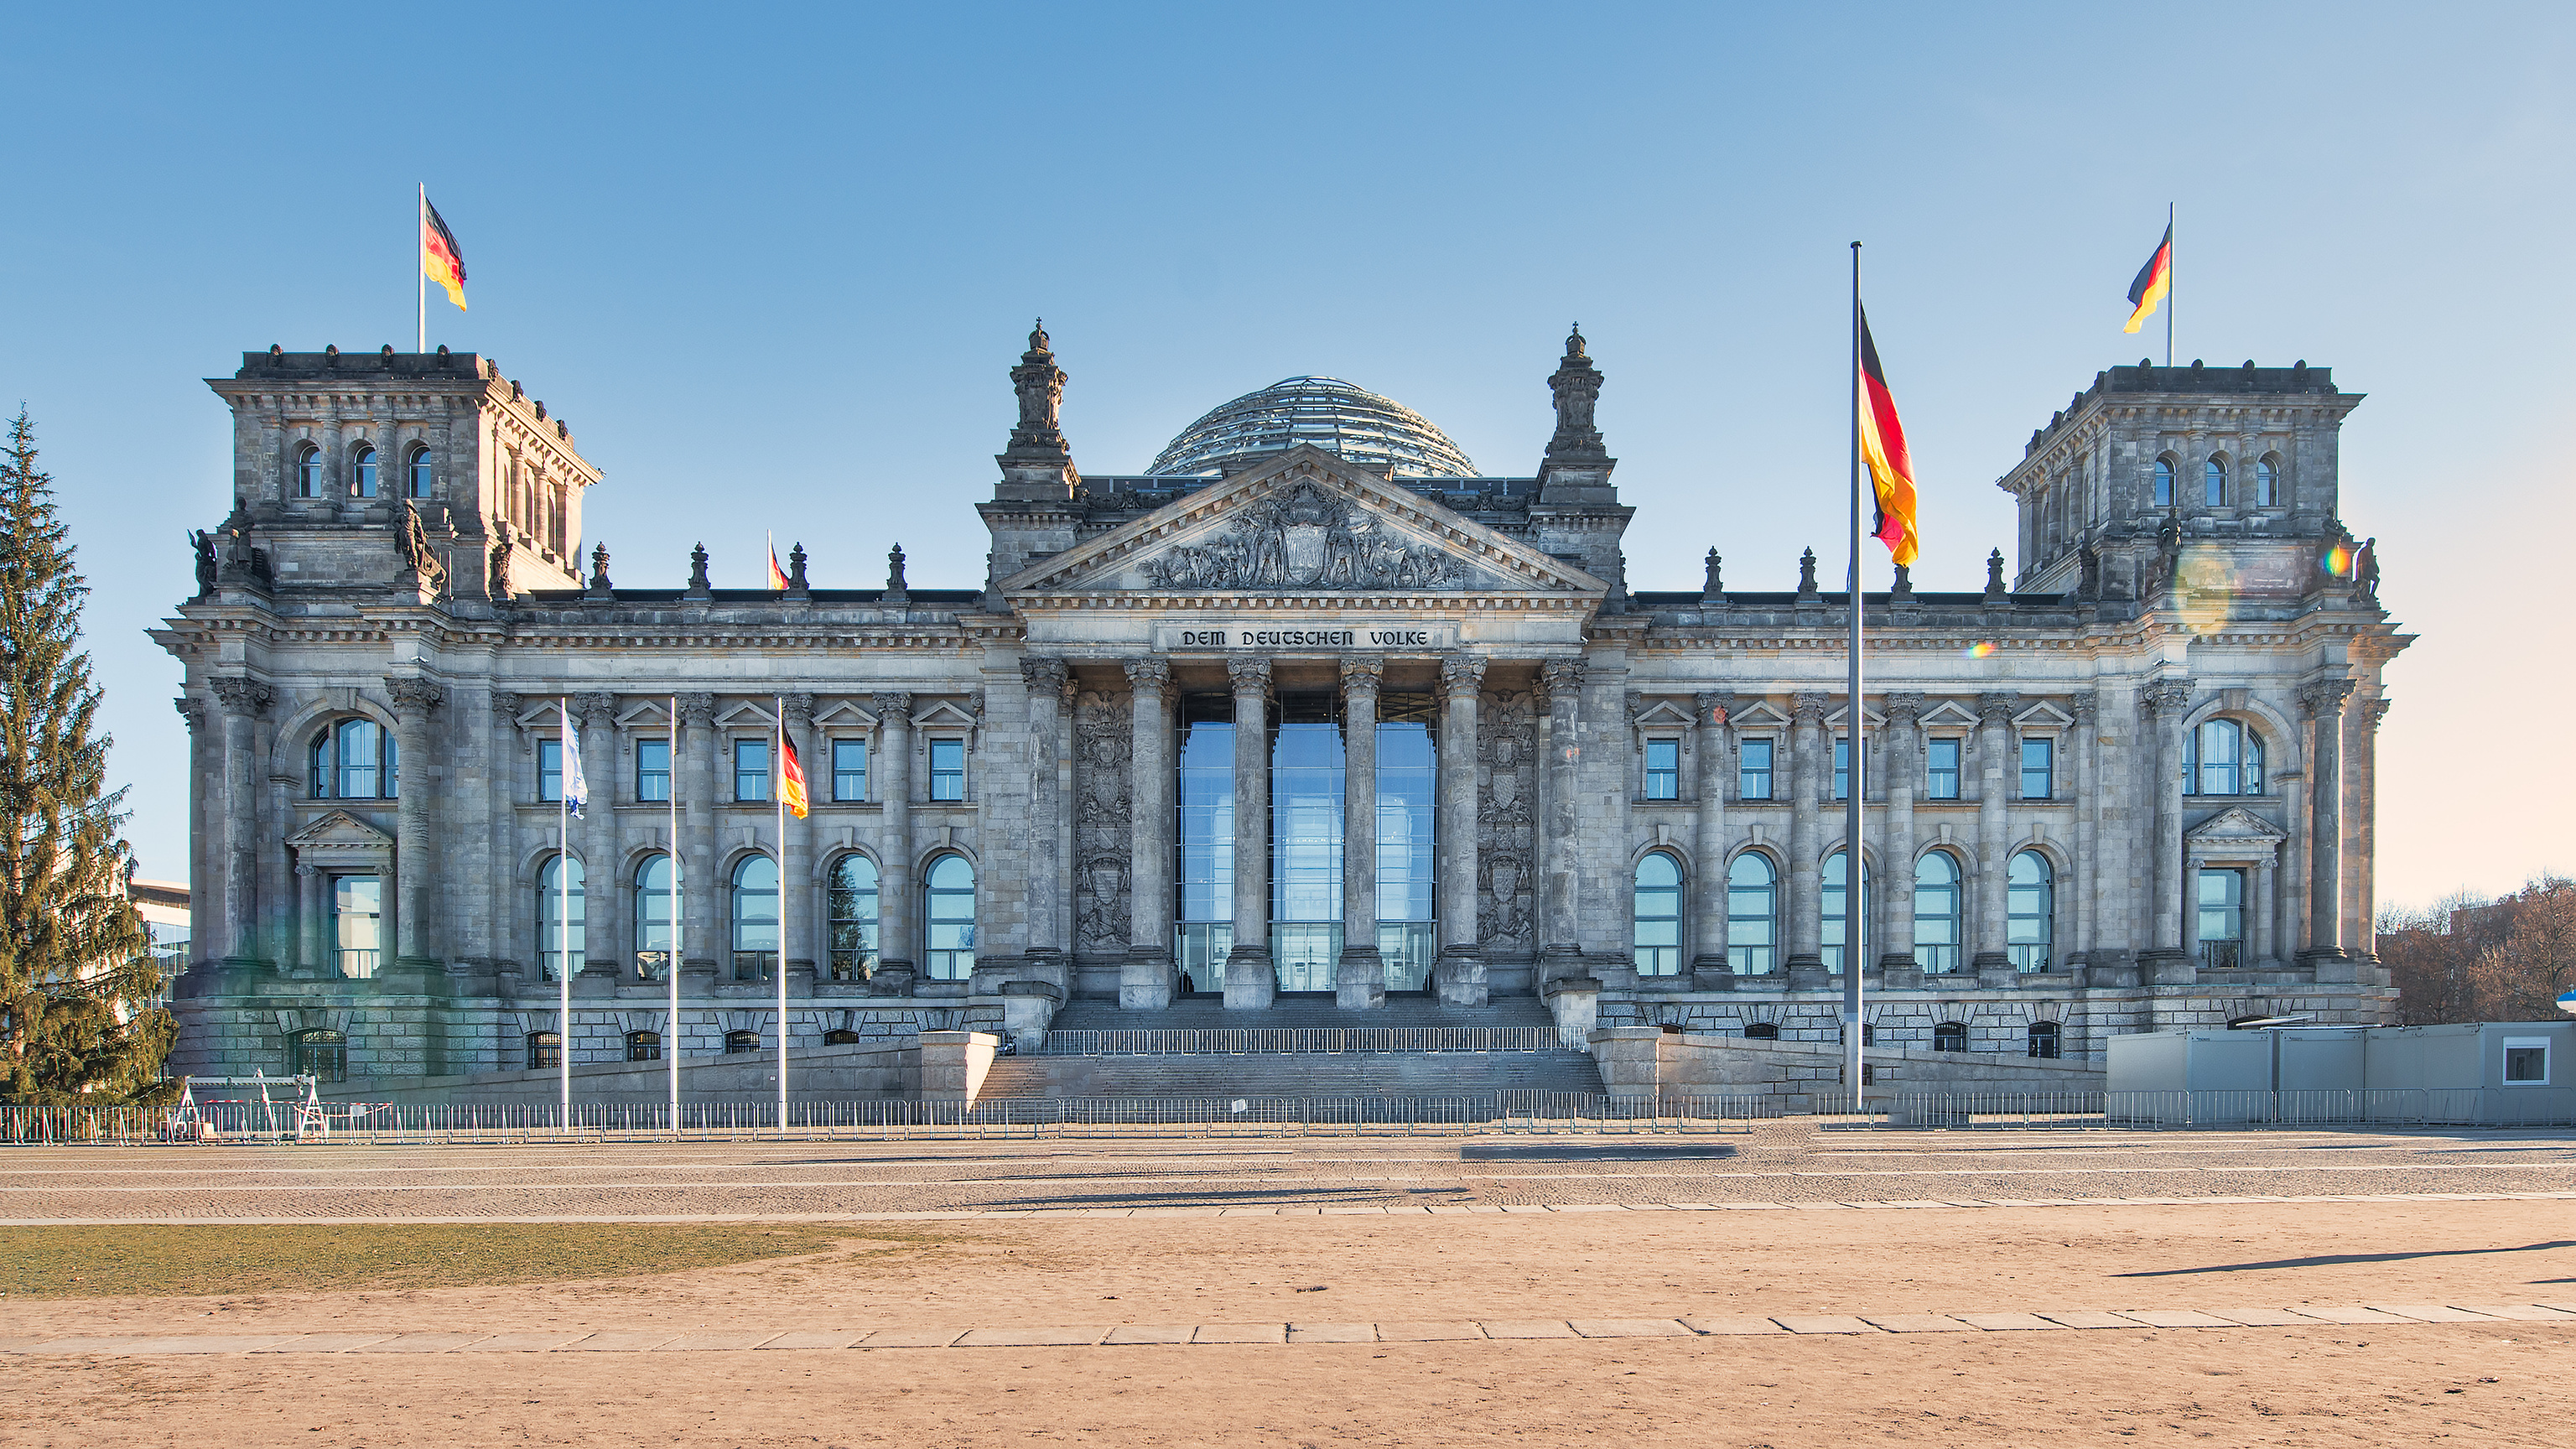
{"points": [[1506, 824], [1304, 536]]}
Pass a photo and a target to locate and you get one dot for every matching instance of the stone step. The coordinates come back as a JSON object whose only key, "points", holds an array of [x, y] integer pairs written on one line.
{"points": [[1207, 1011], [1395, 1074]]}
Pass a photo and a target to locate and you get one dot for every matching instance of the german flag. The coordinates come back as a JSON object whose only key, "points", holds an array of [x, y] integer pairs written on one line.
{"points": [[791, 775], [441, 259], [2155, 279], [777, 576], [1882, 446]]}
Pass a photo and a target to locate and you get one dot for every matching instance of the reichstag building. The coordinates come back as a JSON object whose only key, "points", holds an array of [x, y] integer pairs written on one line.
{"points": [[1314, 706]]}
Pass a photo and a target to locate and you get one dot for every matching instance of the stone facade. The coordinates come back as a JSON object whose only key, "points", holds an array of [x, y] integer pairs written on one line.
{"points": [[394, 636]]}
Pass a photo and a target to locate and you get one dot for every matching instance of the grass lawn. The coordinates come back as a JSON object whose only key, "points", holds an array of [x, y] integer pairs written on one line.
{"points": [[143, 1261]]}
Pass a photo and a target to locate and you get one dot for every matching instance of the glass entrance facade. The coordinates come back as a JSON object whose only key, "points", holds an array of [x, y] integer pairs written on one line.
{"points": [[1204, 905], [1306, 769], [1408, 932]]}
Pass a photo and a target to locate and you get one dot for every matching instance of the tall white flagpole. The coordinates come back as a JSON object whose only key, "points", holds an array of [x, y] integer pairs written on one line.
{"points": [[671, 955], [420, 271], [779, 703], [563, 908], [1855, 870]]}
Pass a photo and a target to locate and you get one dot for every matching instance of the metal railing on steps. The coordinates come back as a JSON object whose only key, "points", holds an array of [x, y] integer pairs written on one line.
{"points": [[1319, 1040]]}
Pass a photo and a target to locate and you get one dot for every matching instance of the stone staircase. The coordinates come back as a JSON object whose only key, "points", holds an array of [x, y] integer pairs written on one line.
{"points": [[1186, 1074]]}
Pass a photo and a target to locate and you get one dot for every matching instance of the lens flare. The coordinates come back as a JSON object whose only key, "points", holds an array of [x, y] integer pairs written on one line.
{"points": [[2338, 561], [1977, 650]]}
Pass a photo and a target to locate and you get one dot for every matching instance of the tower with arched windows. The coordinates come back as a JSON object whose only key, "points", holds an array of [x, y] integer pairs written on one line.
{"points": [[1312, 713]]}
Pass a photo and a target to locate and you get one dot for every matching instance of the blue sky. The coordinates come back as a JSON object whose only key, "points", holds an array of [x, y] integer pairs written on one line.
{"points": [[773, 265]]}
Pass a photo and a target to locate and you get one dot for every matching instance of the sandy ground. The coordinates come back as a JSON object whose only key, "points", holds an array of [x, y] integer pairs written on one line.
{"points": [[2473, 1383]]}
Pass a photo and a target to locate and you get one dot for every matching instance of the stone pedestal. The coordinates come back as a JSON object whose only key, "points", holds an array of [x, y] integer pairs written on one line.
{"points": [[1459, 976], [2166, 968], [1575, 1003], [1808, 973], [1028, 1007], [1899, 973], [953, 1064], [1359, 980], [1995, 970], [1251, 984], [1145, 980]]}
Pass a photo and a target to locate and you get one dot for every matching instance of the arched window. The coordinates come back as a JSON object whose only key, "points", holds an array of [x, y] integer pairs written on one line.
{"points": [[2043, 1039], [840, 1036], [2267, 482], [643, 1046], [2214, 482], [545, 1050], [2030, 919], [308, 472], [1835, 931], [1658, 911], [320, 1052], [422, 476], [755, 918], [653, 916], [2164, 482], [853, 898], [1761, 1031], [362, 472], [948, 919], [1752, 915], [1950, 1036], [739, 1042], [1936, 912], [353, 759], [560, 921], [2222, 757]]}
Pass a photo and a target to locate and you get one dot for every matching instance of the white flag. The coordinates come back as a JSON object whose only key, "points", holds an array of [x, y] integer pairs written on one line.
{"points": [[576, 790]]}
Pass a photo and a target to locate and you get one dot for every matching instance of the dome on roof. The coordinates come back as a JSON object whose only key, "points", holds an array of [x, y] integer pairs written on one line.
{"points": [[1356, 424]]}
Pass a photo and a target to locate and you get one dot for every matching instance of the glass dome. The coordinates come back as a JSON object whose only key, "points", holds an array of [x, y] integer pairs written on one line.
{"points": [[1352, 422]]}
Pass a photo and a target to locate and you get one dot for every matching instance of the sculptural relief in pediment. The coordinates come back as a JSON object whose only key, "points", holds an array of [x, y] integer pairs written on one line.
{"points": [[1305, 536]]}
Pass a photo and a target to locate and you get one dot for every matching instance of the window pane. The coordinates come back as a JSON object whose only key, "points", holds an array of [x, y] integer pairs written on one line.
{"points": [[2164, 483], [1752, 923], [561, 923], [653, 914], [751, 769], [364, 481], [360, 744], [1842, 769], [550, 769], [1942, 770], [849, 769], [2038, 759], [357, 907], [2216, 488], [652, 769], [947, 769], [853, 900], [422, 475], [1663, 769], [755, 918], [2030, 907], [1754, 760]]}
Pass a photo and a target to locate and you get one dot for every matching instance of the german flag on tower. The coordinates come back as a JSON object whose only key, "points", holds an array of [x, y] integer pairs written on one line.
{"points": [[441, 259], [1882, 446], [2155, 279]]}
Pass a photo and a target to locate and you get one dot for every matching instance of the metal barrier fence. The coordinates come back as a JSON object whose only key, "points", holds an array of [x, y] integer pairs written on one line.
{"points": [[2117, 1111], [1330, 1040]]}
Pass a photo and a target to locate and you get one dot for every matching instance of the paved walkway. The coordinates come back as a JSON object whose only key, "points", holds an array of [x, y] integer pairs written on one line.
{"points": [[2306, 1315]]}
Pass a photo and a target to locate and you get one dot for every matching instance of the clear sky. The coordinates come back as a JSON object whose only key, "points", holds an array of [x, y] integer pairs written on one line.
{"points": [[772, 264]]}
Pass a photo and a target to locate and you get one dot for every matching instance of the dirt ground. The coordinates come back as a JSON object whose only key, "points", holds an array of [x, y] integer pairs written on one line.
{"points": [[2478, 1383]]}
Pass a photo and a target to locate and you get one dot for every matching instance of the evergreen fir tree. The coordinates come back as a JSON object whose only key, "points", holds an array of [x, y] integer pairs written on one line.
{"points": [[76, 968]]}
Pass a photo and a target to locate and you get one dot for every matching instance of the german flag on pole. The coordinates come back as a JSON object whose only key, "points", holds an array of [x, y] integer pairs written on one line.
{"points": [[791, 776], [2155, 279], [441, 259], [777, 575], [1882, 446]]}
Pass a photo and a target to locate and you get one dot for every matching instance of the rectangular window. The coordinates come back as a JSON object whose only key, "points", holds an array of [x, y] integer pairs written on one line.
{"points": [[849, 769], [751, 769], [2222, 918], [2526, 1061], [1753, 769], [1663, 769], [550, 769], [1941, 770], [947, 769], [357, 924], [1842, 770], [652, 769], [2038, 768]]}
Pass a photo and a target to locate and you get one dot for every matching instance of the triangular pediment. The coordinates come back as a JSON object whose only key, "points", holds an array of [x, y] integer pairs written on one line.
{"points": [[2233, 824], [1949, 715], [340, 830], [1301, 524], [846, 715]]}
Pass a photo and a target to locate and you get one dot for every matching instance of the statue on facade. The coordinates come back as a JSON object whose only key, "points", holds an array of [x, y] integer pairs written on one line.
{"points": [[204, 543], [2365, 570], [500, 569], [419, 555]]}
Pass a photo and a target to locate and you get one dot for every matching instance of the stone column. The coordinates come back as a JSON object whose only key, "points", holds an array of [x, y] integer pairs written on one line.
{"points": [[1897, 968], [701, 932], [1809, 774], [2166, 702], [1459, 974], [897, 934], [602, 961], [243, 701], [1560, 844], [2361, 798], [1995, 777], [2258, 915], [1709, 784], [309, 918], [205, 872], [1145, 978], [500, 943], [415, 872], [1251, 983], [798, 929], [1042, 842], [1359, 977], [2323, 701], [2085, 737]]}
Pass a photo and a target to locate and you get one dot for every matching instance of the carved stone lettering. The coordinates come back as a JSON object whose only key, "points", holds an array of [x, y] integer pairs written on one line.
{"points": [[1304, 536]]}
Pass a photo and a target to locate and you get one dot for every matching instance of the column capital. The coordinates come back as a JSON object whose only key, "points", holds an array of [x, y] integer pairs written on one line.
{"points": [[2324, 696], [192, 710], [1902, 708], [2371, 711], [1560, 679], [2166, 696], [1715, 706], [698, 711], [1808, 706], [2087, 709], [1149, 675], [1250, 676], [594, 707], [505, 705], [1362, 675], [241, 696], [1461, 673], [800, 708], [1043, 674], [891, 705], [1995, 707]]}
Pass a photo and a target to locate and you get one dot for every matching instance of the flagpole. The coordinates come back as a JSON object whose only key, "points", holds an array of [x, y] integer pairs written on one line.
{"points": [[420, 273], [779, 703], [2169, 294], [671, 954], [563, 908], [1855, 871]]}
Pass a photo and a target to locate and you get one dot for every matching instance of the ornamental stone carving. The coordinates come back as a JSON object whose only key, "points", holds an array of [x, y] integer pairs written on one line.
{"points": [[2166, 696], [698, 711], [1996, 707], [2088, 710], [1250, 676], [241, 696], [2324, 696], [1808, 707], [1506, 820], [1461, 672], [1149, 675], [1305, 536], [1716, 706], [800, 709], [191, 710], [1103, 840], [505, 705], [1361, 676], [893, 704], [414, 697], [1043, 674], [1903, 709], [591, 709], [1559, 679]]}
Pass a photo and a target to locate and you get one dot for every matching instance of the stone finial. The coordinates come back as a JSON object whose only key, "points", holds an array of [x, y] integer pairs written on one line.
{"points": [[895, 590], [1250, 676], [1039, 438], [1903, 592], [1712, 584], [204, 544], [1995, 578], [796, 570], [699, 587], [1148, 675], [600, 588], [1576, 384], [1807, 575], [2365, 571]]}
